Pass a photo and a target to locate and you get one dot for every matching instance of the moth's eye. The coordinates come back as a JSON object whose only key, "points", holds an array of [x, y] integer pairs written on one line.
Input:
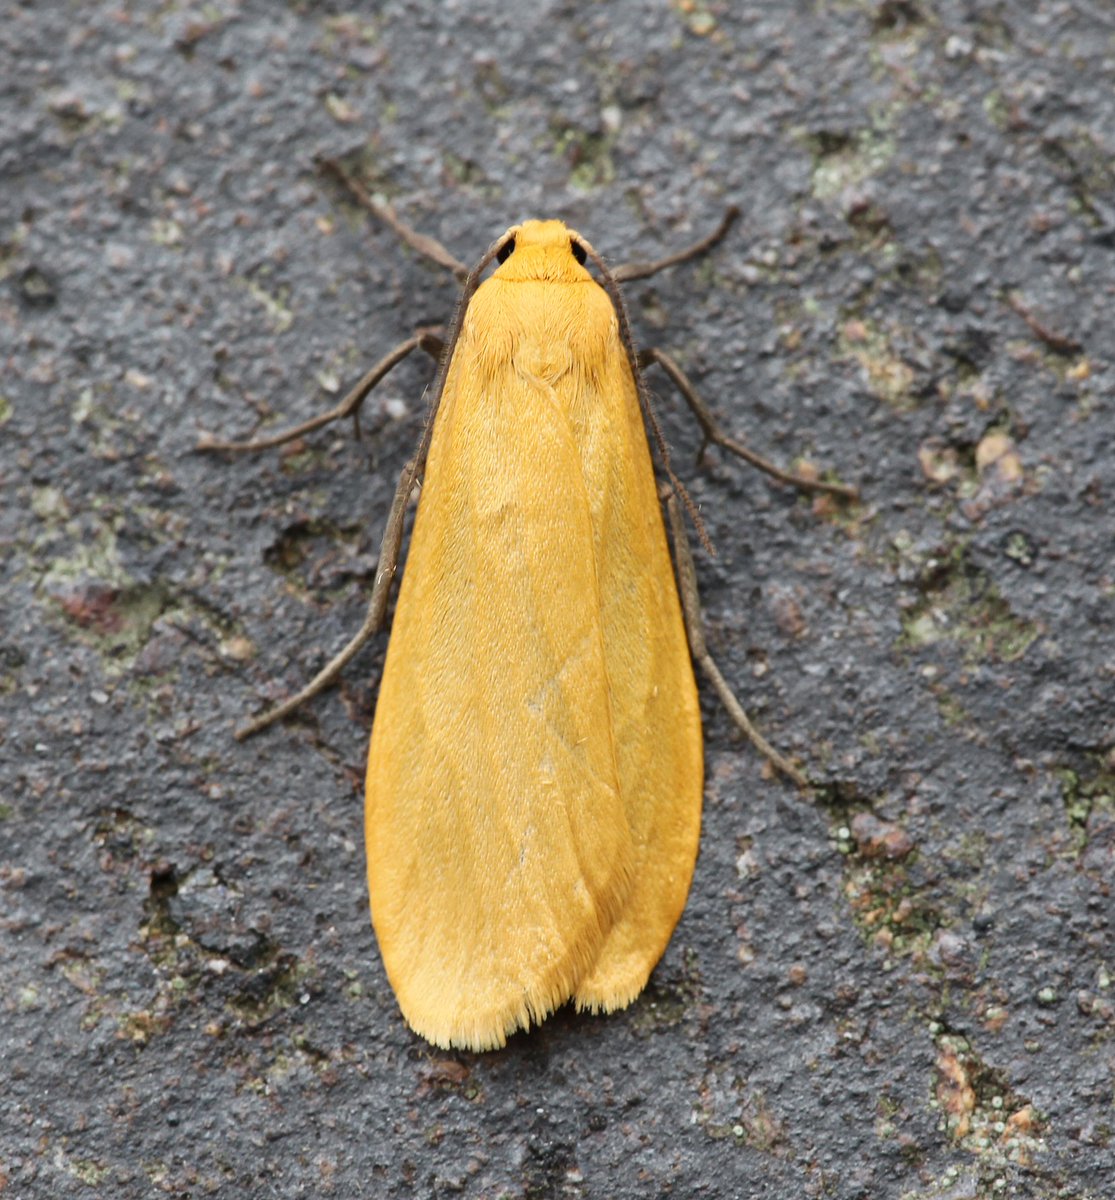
{"points": [[506, 250], [578, 251]]}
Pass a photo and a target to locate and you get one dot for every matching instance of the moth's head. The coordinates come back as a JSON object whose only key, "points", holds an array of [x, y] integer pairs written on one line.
{"points": [[538, 251]]}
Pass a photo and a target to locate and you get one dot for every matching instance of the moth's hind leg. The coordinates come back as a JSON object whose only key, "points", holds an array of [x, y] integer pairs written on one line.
{"points": [[429, 340], [377, 604], [694, 628], [710, 427]]}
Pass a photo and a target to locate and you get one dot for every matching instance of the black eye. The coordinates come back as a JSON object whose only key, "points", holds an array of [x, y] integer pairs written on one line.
{"points": [[578, 251], [506, 250]]}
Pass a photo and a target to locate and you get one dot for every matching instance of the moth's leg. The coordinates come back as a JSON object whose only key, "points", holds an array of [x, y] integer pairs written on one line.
{"points": [[428, 247], [430, 340], [643, 270], [377, 605], [713, 433], [694, 628]]}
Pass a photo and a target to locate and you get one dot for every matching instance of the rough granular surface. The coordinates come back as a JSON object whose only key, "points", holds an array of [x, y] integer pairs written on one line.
{"points": [[901, 989]]}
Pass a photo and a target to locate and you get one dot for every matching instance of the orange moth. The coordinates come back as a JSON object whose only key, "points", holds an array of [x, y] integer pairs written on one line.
{"points": [[534, 783], [533, 798]]}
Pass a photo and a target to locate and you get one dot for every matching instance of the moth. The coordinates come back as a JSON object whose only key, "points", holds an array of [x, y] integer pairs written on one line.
{"points": [[535, 774]]}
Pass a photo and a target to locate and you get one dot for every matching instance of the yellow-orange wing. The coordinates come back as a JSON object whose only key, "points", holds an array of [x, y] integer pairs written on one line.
{"points": [[535, 772]]}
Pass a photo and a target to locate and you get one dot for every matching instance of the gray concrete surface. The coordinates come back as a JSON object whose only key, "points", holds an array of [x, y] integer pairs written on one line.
{"points": [[904, 990]]}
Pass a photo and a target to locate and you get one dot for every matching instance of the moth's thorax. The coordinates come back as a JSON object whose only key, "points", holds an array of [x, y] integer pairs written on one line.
{"points": [[539, 314], [542, 329], [543, 253]]}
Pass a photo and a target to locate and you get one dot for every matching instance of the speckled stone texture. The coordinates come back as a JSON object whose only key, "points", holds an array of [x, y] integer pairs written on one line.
{"points": [[903, 990]]}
